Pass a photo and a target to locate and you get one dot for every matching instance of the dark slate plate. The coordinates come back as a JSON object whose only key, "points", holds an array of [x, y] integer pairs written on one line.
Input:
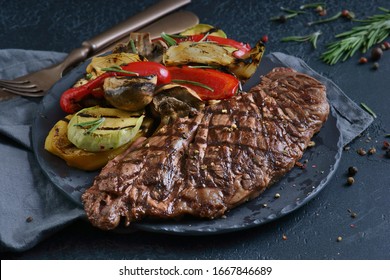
{"points": [[297, 188]]}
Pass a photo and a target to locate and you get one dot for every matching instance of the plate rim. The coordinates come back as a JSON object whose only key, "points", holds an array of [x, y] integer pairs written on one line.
{"points": [[190, 231]]}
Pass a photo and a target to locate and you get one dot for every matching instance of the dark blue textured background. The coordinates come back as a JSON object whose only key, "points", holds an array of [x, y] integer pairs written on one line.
{"points": [[312, 230]]}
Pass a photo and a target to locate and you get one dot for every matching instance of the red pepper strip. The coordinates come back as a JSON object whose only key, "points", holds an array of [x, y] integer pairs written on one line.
{"points": [[242, 48], [69, 98], [224, 85], [146, 68]]}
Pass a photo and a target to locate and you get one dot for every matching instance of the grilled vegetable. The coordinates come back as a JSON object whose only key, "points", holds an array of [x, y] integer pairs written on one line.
{"points": [[172, 101], [147, 68], [98, 63], [207, 83], [70, 99], [213, 54], [130, 93], [204, 29], [102, 129], [57, 143]]}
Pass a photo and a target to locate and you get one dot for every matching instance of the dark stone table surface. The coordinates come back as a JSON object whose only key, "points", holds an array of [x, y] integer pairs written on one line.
{"points": [[311, 232]]}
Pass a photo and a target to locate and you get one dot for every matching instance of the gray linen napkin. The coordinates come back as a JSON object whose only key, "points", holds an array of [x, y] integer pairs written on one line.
{"points": [[31, 208], [26, 192]]}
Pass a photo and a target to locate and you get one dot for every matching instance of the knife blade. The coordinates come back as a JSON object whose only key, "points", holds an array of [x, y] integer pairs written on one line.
{"points": [[135, 22], [170, 24]]}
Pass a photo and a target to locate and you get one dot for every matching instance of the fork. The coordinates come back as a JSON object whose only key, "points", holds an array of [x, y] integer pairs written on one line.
{"points": [[38, 83]]}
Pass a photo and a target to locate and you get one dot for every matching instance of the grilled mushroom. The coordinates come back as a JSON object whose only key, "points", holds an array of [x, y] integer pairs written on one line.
{"points": [[130, 93], [175, 101]]}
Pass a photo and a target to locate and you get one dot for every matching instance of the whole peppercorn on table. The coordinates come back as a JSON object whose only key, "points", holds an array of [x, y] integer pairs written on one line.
{"points": [[349, 219]]}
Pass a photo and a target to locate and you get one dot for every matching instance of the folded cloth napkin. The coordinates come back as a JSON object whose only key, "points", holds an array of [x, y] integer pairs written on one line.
{"points": [[31, 208]]}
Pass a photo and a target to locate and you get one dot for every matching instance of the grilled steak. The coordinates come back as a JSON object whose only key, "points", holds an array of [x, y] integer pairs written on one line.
{"points": [[206, 164]]}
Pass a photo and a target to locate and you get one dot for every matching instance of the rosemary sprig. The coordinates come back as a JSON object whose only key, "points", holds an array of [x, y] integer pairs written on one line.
{"points": [[371, 31], [336, 16], [313, 38], [311, 5], [368, 109], [290, 11], [283, 18], [193, 83], [116, 68], [93, 125], [167, 38], [133, 47], [203, 66]]}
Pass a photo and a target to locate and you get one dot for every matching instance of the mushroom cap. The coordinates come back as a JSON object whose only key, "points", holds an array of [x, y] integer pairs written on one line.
{"points": [[174, 100], [130, 93]]}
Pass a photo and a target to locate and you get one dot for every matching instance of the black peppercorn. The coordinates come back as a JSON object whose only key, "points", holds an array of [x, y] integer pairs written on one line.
{"points": [[376, 53], [352, 170], [375, 66], [282, 19]]}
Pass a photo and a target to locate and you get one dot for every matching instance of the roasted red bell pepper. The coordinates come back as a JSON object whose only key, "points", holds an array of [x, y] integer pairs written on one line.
{"points": [[145, 68], [70, 98], [242, 48], [208, 83]]}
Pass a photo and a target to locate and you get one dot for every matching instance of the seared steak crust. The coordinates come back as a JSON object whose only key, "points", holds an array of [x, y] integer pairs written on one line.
{"points": [[207, 164]]}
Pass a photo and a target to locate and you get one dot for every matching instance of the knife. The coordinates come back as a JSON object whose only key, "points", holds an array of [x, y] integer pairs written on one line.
{"points": [[170, 24], [107, 38], [135, 22]]}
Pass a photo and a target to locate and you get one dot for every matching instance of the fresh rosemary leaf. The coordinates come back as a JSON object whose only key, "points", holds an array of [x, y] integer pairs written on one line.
{"points": [[290, 11], [313, 38], [370, 32], [93, 125], [132, 45], [167, 38], [116, 68], [193, 83], [336, 16], [203, 66], [312, 5], [365, 107]]}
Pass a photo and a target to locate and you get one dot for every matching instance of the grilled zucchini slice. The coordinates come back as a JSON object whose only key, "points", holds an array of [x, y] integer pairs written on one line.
{"points": [[98, 129]]}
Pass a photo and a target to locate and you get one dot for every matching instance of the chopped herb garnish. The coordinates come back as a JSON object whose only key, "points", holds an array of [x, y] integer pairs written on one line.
{"points": [[204, 37], [311, 37], [88, 76], [312, 5], [193, 83], [177, 36], [365, 107], [332, 18], [203, 66], [93, 125], [116, 68], [167, 38], [283, 18], [291, 11], [132, 45]]}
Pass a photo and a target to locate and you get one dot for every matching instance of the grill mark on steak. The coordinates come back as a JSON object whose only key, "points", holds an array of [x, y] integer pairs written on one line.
{"points": [[207, 164]]}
